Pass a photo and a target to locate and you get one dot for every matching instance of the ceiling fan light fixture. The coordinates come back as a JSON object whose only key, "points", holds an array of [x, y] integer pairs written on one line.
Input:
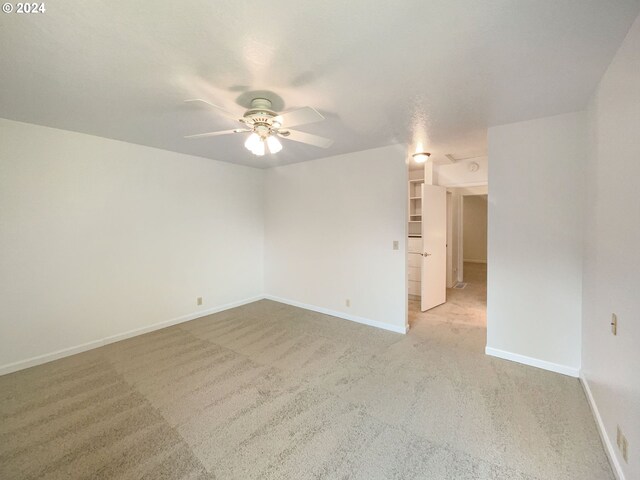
{"points": [[421, 157], [253, 140], [258, 149], [274, 144]]}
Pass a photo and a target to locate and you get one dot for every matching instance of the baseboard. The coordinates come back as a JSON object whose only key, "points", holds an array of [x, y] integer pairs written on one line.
{"points": [[182, 319], [66, 352], [608, 445], [533, 362], [48, 357], [334, 313]]}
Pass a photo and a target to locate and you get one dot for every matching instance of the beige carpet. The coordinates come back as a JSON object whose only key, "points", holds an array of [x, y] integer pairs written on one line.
{"points": [[268, 391]]}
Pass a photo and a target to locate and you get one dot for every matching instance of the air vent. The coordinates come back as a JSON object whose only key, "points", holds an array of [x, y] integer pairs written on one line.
{"points": [[460, 285]]}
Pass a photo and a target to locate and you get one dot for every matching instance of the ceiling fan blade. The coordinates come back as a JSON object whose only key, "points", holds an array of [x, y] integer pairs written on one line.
{"points": [[215, 134], [304, 137], [301, 116], [232, 115]]}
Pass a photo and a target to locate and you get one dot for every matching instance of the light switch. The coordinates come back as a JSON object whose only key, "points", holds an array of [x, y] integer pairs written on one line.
{"points": [[396, 245]]}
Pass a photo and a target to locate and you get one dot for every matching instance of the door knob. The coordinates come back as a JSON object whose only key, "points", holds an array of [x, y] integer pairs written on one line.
{"points": [[425, 254]]}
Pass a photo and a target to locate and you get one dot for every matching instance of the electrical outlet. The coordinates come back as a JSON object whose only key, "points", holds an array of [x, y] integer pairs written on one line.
{"points": [[396, 245], [199, 301], [347, 302], [614, 324]]}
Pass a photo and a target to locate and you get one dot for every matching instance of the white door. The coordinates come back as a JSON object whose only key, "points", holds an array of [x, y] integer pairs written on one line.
{"points": [[434, 246]]}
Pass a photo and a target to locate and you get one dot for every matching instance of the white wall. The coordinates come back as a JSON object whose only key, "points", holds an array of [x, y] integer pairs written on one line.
{"points": [[611, 364], [100, 237], [330, 226], [474, 229], [534, 241]]}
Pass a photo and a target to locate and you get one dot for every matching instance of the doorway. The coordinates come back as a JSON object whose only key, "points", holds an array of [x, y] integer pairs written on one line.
{"points": [[466, 257], [470, 289]]}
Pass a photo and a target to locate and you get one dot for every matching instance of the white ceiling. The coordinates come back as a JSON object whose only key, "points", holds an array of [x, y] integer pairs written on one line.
{"points": [[437, 72]]}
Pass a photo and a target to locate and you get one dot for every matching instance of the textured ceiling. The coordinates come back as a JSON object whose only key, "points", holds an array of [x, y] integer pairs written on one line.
{"points": [[437, 72]]}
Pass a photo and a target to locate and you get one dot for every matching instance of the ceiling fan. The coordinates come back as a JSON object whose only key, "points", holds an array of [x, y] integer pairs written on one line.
{"points": [[266, 126]]}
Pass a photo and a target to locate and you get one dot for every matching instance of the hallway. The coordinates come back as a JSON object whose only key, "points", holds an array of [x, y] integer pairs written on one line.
{"points": [[466, 306]]}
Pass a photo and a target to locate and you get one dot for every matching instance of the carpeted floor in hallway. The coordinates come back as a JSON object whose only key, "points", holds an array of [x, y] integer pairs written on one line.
{"points": [[467, 306], [269, 391]]}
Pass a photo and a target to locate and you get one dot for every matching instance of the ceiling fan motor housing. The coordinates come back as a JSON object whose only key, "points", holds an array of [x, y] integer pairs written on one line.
{"points": [[261, 117]]}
